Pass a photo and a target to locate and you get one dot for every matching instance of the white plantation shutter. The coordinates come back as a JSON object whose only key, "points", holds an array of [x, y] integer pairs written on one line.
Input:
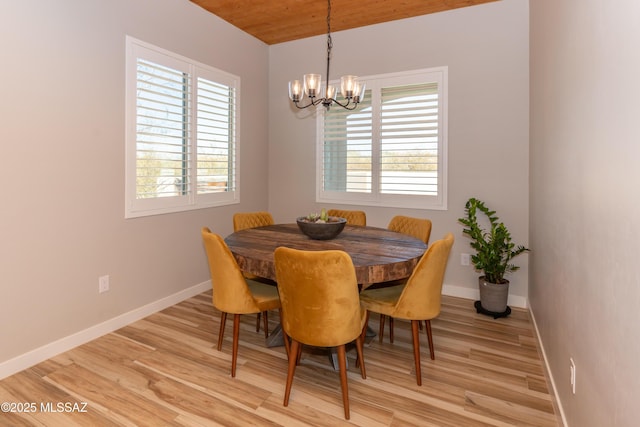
{"points": [[216, 137], [409, 140], [348, 149], [162, 123], [391, 150], [181, 146]]}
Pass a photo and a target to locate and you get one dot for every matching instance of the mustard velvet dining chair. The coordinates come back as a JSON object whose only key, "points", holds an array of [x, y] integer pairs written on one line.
{"points": [[244, 220], [418, 300], [420, 228], [352, 217], [320, 307], [232, 292]]}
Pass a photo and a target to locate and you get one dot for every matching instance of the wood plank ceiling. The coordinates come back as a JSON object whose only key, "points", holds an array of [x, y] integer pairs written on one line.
{"points": [[277, 21]]}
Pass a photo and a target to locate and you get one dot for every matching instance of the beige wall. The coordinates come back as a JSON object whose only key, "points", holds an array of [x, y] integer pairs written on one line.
{"points": [[62, 135], [486, 49], [585, 203]]}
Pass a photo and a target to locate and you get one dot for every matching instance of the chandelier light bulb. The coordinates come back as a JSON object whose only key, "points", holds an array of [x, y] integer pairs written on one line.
{"points": [[295, 90], [331, 92], [359, 92], [348, 86], [312, 84]]}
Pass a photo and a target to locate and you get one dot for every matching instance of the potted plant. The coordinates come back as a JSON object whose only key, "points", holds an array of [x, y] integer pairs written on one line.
{"points": [[494, 252]]}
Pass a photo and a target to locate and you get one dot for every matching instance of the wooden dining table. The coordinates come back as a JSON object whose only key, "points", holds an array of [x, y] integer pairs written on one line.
{"points": [[379, 255]]}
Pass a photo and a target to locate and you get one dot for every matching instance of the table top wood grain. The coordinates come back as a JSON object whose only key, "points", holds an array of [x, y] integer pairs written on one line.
{"points": [[378, 254]]}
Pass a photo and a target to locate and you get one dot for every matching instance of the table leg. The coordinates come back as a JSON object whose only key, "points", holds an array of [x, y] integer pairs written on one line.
{"points": [[333, 358], [276, 337], [333, 353], [370, 333]]}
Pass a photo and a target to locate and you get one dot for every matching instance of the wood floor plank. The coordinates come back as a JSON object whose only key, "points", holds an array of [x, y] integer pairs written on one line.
{"points": [[29, 387], [200, 377], [206, 405], [523, 416], [165, 370], [90, 386]]}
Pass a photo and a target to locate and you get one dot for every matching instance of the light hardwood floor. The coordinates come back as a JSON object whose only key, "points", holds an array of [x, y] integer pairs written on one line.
{"points": [[164, 370]]}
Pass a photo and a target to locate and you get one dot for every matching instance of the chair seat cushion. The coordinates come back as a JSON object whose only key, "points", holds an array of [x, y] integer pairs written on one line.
{"points": [[381, 300], [385, 301], [266, 296], [398, 282]]}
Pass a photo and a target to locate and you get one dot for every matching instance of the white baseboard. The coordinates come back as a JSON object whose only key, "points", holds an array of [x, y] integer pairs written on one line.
{"points": [[474, 294], [47, 351], [548, 369]]}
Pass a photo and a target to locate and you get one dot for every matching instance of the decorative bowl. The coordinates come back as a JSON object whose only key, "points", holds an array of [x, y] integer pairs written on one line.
{"points": [[321, 230]]}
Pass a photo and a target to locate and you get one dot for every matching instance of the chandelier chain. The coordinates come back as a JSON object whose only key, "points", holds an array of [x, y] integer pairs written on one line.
{"points": [[329, 42]]}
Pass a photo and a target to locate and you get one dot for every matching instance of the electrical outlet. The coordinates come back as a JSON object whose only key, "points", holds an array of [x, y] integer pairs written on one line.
{"points": [[572, 367], [465, 259], [103, 284]]}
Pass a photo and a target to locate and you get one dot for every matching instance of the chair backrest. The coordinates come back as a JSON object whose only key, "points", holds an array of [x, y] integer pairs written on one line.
{"points": [[242, 220], [352, 217], [421, 296], [420, 228], [231, 293], [319, 295]]}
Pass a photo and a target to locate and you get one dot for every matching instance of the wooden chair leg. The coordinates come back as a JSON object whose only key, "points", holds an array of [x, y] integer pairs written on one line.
{"points": [[236, 333], [258, 322], [342, 363], [430, 338], [382, 320], [295, 345], [363, 334], [266, 324], [287, 344], [416, 349], [285, 337], [223, 320], [360, 359], [299, 354]]}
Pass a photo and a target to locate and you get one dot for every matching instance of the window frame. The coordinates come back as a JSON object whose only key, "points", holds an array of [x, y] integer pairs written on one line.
{"points": [[437, 75], [191, 200]]}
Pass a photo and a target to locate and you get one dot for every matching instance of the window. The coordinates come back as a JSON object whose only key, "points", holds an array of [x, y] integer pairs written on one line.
{"points": [[182, 133], [392, 149]]}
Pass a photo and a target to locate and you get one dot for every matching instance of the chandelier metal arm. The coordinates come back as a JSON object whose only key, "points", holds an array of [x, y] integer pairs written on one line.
{"points": [[327, 102], [345, 104], [312, 102]]}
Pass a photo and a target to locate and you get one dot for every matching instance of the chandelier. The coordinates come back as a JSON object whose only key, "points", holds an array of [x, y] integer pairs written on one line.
{"points": [[318, 93]]}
